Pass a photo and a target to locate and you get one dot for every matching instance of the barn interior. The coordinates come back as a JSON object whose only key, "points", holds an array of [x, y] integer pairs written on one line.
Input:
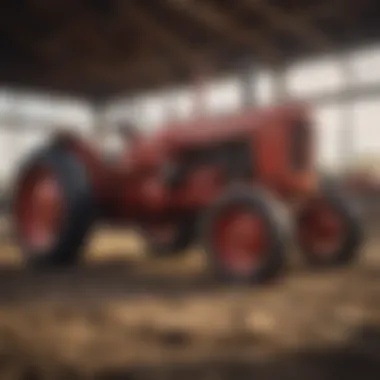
{"points": [[87, 65]]}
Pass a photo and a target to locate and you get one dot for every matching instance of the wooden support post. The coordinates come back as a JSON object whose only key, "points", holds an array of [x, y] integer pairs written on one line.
{"points": [[170, 108], [347, 138], [248, 91], [138, 112], [100, 124], [281, 92], [199, 92]]}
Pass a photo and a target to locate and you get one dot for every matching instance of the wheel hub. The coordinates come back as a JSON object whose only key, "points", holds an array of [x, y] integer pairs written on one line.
{"points": [[321, 228], [39, 208], [241, 240]]}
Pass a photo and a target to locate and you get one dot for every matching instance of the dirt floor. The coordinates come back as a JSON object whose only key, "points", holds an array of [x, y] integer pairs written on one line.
{"points": [[122, 316]]}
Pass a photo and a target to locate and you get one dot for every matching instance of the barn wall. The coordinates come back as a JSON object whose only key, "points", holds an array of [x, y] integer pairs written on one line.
{"points": [[347, 129], [26, 121], [25, 118]]}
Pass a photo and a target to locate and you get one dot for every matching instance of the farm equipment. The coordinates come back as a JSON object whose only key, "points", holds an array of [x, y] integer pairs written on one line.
{"points": [[240, 185]]}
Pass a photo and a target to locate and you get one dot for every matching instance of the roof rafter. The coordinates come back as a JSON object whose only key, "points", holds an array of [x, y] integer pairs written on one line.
{"points": [[166, 38], [347, 12], [44, 48], [76, 46], [219, 22], [327, 9], [133, 76], [288, 22], [91, 49]]}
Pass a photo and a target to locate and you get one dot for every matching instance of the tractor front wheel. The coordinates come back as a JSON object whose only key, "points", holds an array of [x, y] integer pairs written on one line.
{"points": [[329, 229], [53, 208], [245, 236]]}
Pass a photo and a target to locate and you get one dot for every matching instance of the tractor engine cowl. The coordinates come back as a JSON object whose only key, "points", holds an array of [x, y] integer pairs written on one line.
{"points": [[154, 193]]}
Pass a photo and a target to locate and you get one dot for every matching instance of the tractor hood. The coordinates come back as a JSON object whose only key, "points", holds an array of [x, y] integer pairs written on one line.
{"points": [[206, 130]]}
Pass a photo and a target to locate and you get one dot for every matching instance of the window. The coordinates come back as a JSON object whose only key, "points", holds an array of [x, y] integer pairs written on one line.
{"points": [[366, 66], [315, 77], [264, 87], [366, 115], [328, 121], [223, 96], [182, 102]]}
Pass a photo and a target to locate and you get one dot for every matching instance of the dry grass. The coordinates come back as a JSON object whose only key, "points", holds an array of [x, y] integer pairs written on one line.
{"points": [[129, 320]]}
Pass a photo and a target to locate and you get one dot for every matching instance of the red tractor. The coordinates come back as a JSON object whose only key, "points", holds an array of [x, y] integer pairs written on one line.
{"points": [[240, 185]]}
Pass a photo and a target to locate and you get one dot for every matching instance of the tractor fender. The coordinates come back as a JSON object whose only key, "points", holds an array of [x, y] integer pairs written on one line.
{"points": [[87, 154]]}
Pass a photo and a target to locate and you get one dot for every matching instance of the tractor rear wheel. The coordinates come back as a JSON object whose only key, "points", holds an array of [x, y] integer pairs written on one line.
{"points": [[53, 208], [245, 235], [329, 229]]}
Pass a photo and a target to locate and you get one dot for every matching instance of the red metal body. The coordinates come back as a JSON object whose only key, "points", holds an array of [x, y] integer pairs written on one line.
{"points": [[133, 187], [178, 185]]}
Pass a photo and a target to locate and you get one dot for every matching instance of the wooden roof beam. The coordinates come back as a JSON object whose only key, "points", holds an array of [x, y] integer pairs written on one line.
{"points": [[139, 68], [212, 18], [81, 36], [49, 48], [63, 50], [348, 13], [329, 9], [340, 11], [129, 74], [166, 38], [288, 22]]}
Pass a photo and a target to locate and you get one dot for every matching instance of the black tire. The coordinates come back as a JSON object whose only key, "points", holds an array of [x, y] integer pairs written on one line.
{"points": [[276, 223], [329, 182], [79, 209], [183, 237], [352, 238]]}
